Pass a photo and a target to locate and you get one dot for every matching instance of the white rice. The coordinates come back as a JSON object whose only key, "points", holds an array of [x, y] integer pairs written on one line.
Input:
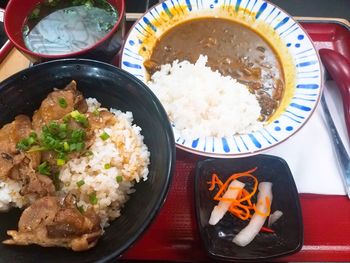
{"points": [[201, 102], [10, 195], [128, 157]]}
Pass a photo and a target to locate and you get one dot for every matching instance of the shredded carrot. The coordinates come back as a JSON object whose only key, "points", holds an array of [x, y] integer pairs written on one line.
{"points": [[214, 181], [241, 207]]}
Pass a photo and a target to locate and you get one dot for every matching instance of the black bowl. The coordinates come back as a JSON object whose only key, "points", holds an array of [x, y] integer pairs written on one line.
{"points": [[23, 93], [288, 236]]}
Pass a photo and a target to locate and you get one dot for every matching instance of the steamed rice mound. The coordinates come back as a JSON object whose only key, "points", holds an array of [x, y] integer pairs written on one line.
{"points": [[201, 102], [104, 179], [10, 195]]}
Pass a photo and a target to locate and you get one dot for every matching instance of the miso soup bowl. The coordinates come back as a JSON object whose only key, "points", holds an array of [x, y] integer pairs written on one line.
{"points": [[104, 50], [298, 58]]}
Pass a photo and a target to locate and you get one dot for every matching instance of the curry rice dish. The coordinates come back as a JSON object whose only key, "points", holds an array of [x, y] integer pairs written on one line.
{"points": [[71, 167], [232, 48]]}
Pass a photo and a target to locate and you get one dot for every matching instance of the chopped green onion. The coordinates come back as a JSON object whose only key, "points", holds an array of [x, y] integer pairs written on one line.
{"points": [[63, 127], [26, 143], [75, 114], [72, 147], [53, 126], [88, 153], [96, 112], [104, 136], [33, 135], [81, 209], [62, 135], [66, 146], [36, 148], [93, 199], [107, 165], [44, 168], [23, 145], [60, 162], [78, 135], [62, 155], [66, 118], [80, 183], [62, 102], [80, 118], [119, 178], [80, 146]]}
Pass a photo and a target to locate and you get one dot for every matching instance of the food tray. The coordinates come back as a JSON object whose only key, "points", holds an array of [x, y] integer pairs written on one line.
{"points": [[174, 235], [5, 45]]}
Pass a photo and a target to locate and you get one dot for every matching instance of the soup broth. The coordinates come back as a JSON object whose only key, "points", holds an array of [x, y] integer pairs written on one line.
{"points": [[232, 48], [62, 26]]}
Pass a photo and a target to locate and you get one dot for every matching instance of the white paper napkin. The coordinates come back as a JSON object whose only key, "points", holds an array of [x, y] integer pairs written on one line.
{"points": [[310, 153]]}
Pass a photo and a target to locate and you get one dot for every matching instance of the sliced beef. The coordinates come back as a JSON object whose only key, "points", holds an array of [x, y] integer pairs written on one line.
{"points": [[103, 119], [51, 109], [10, 157], [48, 222], [12, 133]]}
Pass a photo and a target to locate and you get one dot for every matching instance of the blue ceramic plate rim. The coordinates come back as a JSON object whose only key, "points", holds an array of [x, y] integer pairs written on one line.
{"points": [[299, 111], [294, 190]]}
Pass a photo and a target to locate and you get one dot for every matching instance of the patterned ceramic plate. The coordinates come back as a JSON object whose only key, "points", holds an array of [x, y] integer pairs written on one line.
{"points": [[299, 60]]}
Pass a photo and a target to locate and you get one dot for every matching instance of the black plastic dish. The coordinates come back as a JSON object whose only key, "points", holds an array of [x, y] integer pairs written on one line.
{"points": [[288, 236], [23, 93]]}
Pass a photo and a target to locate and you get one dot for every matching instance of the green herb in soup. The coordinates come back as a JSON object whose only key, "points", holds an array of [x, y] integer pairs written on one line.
{"points": [[65, 26]]}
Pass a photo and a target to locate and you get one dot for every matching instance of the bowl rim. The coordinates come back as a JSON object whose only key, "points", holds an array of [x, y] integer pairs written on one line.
{"points": [[67, 55], [259, 151], [294, 189], [169, 132]]}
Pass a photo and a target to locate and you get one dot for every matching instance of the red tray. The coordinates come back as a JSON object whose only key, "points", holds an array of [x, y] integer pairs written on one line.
{"points": [[174, 235]]}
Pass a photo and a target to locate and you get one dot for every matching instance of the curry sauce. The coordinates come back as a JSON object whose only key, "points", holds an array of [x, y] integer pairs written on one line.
{"points": [[232, 48]]}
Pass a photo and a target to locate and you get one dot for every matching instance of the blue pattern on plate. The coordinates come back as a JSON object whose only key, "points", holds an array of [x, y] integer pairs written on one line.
{"points": [[296, 115], [131, 65], [300, 107], [306, 64], [265, 130], [245, 145], [285, 20], [166, 9], [286, 30], [238, 3], [246, 6], [268, 141], [237, 146], [291, 118], [254, 140], [148, 23], [189, 5], [307, 86], [261, 10], [195, 143], [308, 70], [225, 145]]}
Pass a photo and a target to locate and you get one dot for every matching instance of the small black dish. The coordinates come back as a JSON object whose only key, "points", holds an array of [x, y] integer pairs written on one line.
{"points": [[288, 236], [22, 94]]}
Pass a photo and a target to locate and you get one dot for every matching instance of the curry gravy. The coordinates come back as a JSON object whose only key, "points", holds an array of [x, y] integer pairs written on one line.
{"points": [[232, 48]]}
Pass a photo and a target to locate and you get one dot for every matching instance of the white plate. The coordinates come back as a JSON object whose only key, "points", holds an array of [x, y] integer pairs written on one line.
{"points": [[307, 83]]}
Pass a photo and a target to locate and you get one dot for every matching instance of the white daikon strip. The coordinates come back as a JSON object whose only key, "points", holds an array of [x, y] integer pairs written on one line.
{"points": [[247, 234], [219, 210], [274, 217]]}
